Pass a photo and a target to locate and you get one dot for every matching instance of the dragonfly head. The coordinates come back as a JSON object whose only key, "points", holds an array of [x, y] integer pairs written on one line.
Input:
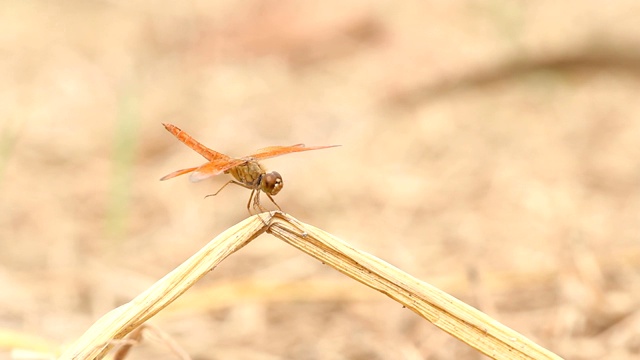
{"points": [[271, 183]]}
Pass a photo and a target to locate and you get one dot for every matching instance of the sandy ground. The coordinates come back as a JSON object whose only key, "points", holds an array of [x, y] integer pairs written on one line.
{"points": [[489, 148]]}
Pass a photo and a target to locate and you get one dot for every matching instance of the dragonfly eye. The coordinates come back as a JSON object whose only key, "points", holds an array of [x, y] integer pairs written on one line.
{"points": [[271, 183]]}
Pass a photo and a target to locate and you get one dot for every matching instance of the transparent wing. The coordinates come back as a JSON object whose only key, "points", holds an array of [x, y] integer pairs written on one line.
{"points": [[194, 144], [177, 173], [274, 151], [213, 168]]}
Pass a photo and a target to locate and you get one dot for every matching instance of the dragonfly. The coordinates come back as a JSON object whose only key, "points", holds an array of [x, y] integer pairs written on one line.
{"points": [[246, 171]]}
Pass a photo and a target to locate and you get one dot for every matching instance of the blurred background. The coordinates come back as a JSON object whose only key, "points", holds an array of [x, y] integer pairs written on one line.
{"points": [[490, 148]]}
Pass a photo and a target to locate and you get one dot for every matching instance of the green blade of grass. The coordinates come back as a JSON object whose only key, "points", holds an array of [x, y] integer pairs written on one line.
{"points": [[123, 160]]}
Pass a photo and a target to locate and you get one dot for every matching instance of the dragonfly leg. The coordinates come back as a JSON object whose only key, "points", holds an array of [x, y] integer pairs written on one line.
{"points": [[225, 185], [249, 203], [274, 202], [255, 196], [256, 202]]}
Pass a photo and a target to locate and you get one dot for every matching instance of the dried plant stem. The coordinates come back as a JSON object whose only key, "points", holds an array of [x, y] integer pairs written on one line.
{"points": [[443, 310], [116, 324]]}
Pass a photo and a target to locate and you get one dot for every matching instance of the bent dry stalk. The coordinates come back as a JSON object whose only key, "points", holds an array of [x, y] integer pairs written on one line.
{"points": [[443, 310]]}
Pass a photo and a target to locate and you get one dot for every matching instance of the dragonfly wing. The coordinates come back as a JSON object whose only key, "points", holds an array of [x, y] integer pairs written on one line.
{"points": [[207, 153], [214, 168], [178, 173], [274, 151]]}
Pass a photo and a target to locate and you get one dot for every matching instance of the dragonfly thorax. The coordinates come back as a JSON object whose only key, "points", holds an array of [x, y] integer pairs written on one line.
{"points": [[254, 176], [248, 173]]}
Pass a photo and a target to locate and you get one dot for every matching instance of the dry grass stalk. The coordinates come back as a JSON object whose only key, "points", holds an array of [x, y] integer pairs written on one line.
{"points": [[443, 310], [446, 312], [116, 324]]}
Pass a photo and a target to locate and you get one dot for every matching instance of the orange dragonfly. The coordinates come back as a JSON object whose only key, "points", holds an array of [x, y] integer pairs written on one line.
{"points": [[246, 171]]}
